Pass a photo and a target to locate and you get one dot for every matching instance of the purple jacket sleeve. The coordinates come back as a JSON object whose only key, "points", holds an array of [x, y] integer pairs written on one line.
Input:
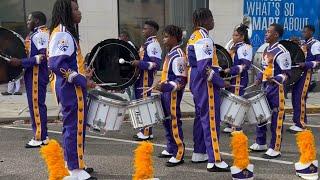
{"points": [[152, 65]]}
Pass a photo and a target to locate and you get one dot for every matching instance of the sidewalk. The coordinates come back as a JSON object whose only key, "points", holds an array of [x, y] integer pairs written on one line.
{"points": [[15, 107]]}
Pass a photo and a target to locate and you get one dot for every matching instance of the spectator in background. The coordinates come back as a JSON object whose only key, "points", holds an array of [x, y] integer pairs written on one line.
{"points": [[124, 36]]}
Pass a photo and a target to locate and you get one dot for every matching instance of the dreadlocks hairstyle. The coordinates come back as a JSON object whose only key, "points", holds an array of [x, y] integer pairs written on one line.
{"points": [[200, 15], [278, 28], [243, 31], [40, 16], [174, 31], [62, 14]]}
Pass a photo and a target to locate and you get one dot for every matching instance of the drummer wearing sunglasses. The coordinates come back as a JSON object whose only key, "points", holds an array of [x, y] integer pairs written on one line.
{"points": [[149, 64], [174, 79], [36, 76]]}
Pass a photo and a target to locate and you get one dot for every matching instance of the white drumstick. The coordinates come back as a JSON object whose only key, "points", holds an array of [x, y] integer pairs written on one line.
{"points": [[296, 66], [150, 89], [122, 61], [236, 86], [106, 84], [252, 85], [229, 78], [94, 56], [5, 58], [279, 84]]}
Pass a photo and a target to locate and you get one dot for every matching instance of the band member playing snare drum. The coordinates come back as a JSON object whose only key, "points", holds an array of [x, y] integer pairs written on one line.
{"points": [[277, 65], [311, 48], [36, 76], [205, 84], [174, 78], [241, 53], [67, 63], [149, 63]]}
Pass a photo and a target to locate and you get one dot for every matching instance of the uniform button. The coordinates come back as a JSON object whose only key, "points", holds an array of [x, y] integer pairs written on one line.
{"points": [[176, 136], [80, 121], [38, 124], [80, 98], [216, 150], [37, 115], [214, 139], [80, 145], [211, 97], [279, 136], [81, 157], [80, 110], [79, 133]]}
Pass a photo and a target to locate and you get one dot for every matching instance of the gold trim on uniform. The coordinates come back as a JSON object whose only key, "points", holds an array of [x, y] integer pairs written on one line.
{"points": [[213, 129], [279, 118], [174, 125], [80, 126], [35, 103], [303, 97]]}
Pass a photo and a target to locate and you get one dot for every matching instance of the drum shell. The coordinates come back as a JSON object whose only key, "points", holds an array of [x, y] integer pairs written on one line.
{"points": [[11, 45], [146, 111], [105, 113], [233, 108], [259, 111]]}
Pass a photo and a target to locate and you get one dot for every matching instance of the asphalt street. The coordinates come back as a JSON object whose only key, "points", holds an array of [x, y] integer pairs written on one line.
{"points": [[111, 155]]}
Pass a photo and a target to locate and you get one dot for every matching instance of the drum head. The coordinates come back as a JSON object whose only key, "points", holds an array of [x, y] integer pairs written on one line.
{"points": [[11, 45], [104, 58], [297, 56], [224, 59], [97, 93], [252, 94]]}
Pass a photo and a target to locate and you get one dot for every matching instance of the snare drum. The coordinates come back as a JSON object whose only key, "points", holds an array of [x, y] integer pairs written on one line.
{"points": [[145, 112], [259, 111], [233, 108], [106, 111]]}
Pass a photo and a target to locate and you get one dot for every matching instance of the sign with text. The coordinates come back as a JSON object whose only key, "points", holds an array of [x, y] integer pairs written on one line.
{"points": [[293, 15]]}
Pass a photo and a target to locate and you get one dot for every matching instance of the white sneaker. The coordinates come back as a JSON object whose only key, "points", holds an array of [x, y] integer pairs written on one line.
{"points": [[295, 128], [272, 152], [33, 144], [46, 141], [227, 130], [199, 157], [141, 136], [77, 174], [257, 147]]}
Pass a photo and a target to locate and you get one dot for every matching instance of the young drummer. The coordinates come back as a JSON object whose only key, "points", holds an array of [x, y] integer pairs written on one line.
{"points": [[174, 78], [241, 53]]}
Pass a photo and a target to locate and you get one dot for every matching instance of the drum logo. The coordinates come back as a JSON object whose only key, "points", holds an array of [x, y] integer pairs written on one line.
{"points": [[207, 49], [63, 45]]}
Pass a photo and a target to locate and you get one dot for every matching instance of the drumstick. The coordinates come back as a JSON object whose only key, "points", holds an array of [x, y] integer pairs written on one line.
{"points": [[252, 85], [5, 58], [273, 80], [94, 56], [122, 61], [106, 84], [231, 77], [236, 86], [296, 66], [150, 89]]}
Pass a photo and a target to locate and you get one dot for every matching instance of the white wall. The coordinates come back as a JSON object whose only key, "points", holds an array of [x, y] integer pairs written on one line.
{"points": [[227, 14], [99, 22]]}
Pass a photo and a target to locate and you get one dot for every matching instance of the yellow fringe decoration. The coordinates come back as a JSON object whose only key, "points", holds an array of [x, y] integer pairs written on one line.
{"points": [[307, 146], [53, 156], [143, 163], [239, 146]]}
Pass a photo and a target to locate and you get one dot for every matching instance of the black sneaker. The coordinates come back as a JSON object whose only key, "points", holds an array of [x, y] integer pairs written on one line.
{"points": [[89, 170], [17, 93], [6, 94]]}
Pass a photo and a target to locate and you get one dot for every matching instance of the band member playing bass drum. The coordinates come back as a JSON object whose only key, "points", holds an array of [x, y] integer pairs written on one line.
{"points": [[36, 76], [174, 78], [241, 52], [311, 48], [205, 84], [277, 65], [149, 63], [67, 63]]}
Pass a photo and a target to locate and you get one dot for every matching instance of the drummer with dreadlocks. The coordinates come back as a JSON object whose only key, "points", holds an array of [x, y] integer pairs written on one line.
{"points": [[205, 84], [36, 76], [241, 53], [67, 63], [174, 76], [311, 48], [149, 64], [276, 63]]}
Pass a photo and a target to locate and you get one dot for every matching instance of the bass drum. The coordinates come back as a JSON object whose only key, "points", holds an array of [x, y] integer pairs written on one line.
{"points": [[224, 59], [108, 72], [297, 56], [11, 45]]}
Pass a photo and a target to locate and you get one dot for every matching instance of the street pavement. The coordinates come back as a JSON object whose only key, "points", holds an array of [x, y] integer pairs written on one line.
{"points": [[111, 155]]}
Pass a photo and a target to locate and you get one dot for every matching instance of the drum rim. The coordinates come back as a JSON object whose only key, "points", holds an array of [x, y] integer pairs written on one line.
{"points": [[259, 95], [238, 98], [104, 99], [143, 100]]}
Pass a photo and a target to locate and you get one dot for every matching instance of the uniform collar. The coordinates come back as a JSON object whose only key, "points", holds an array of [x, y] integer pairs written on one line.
{"points": [[307, 41], [150, 38], [174, 48], [238, 44], [273, 46], [204, 29], [39, 27]]}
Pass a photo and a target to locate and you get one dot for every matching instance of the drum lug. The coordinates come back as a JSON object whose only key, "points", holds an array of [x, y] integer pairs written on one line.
{"points": [[229, 119]]}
